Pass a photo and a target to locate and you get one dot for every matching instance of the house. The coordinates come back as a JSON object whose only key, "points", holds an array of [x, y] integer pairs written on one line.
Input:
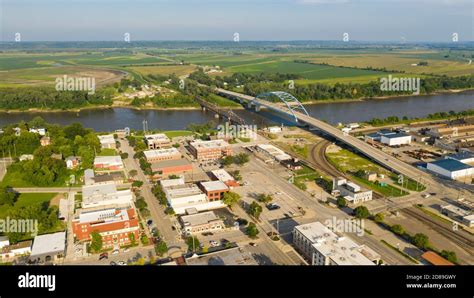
{"points": [[9, 252], [57, 156], [48, 248], [110, 163], [352, 192], [107, 142], [45, 141], [72, 162], [40, 131], [24, 157]]}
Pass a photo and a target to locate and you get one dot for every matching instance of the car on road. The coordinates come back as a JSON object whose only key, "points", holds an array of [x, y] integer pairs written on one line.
{"points": [[253, 244], [103, 255], [121, 263], [113, 263], [149, 222], [273, 206], [115, 252], [278, 193], [207, 234], [213, 243]]}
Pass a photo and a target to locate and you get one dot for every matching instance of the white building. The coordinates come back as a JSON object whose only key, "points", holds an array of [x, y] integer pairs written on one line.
{"points": [[451, 168], [463, 156], [108, 163], [322, 246], [39, 131], [8, 252], [156, 141], [187, 196], [464, 216], [351, 191], [107, 141], [273, 152], [4, 241], [49, 247], [396, 139], [274, 129]]}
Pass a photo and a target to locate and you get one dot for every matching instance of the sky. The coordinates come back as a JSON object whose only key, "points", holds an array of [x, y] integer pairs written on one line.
{"points": [[362, 20]]}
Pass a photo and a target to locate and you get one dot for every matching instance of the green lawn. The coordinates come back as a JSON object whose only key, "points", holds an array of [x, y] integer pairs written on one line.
{"points": [[107, 152], [178, 133], [26, 199]]}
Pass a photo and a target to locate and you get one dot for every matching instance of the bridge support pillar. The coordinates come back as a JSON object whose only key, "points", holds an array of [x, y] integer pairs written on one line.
{"points": [[249, 105], [257, 108]]}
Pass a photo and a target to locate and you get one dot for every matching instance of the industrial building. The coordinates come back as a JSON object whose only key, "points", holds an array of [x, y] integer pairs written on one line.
{"points": [[352, 192], [396, 139], [451, 168], [321, 246], [461, 215], [110, 163], [463, 156], [272, 152], [170, 167]]}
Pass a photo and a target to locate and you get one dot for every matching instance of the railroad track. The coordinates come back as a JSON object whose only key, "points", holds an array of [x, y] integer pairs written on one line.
{"points": [[460, 240]]}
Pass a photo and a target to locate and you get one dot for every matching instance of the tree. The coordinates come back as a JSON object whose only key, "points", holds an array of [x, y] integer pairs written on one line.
{"points": [[420, 240], [449, 255], [264, 198], [241, 158], [361, 212], [379, 217], [227, 160], [255, 210], [252, 230], [398, 229], [137, 183], [161, 248], [131, 237], [96, 241], [7, 196], [193, 243], [341, 202], [124, 155], [230, 198], [133, 173]]}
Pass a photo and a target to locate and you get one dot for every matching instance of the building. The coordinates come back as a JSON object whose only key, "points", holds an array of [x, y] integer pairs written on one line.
{"points": [[157, 141], [9, 252], [224, 176], [107, 142], [463, 156], [157, 155], [24, 157], [435, 259], [49, 247], [39, 131], [210, 150], [89, 177], [72, 162], [229, 257], [201, 222], [461, 215], [4, 241], [321, 246], [292, 164], [272, 152], [352, 192], [377, 136], [110, 163], [171, 167], [105, 195], [214, 190], [45, 141], [396, 139], [182, 196], [114, 225], [450, 168], [371, 176], [274, 129]]}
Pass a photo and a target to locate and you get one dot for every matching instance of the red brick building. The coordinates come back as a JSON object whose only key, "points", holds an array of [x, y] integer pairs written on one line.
{"points": [[210, 150], [114, 225], [214, 190]]}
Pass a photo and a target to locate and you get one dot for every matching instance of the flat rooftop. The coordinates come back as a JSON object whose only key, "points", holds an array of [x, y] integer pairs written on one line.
{"points": [[106, 139], [456, 210], [199, 218], [170, 163], [105, 216], [222, 175], [183, 190], [396, 135], [116, 159], [214, 185], [157, 137], [160, 152], [200, 144], [49, 243], [461, 155], [233, 256]]}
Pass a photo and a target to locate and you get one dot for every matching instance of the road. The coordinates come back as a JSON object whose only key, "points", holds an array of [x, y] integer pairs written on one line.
{"points": [[163, 222]]}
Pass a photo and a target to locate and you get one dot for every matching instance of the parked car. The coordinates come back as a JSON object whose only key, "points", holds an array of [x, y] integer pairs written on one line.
{"points": [[115, 252], [253, 244], [207, 234], [121, 263], [273, 206], [113, 263], [103, 255], [149, 222]]}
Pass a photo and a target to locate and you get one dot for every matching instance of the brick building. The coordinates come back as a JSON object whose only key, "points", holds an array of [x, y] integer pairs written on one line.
{"points": [[157, 155], [214, 190], [210, 150], [157, 141]]}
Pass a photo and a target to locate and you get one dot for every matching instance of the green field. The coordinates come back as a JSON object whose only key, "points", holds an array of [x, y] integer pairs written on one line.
{"points": [[26, 199], [177, 133], [107, 152]]}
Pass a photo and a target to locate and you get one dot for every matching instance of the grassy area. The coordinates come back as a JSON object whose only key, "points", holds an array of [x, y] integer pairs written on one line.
{"points": [[409, 184], [387, 190], [26, 199], [107, 152], [221, 101], [177, 133]]}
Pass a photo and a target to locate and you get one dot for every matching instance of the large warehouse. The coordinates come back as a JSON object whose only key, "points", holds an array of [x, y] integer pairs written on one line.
{"points": [[396, 139], [451, 168]]}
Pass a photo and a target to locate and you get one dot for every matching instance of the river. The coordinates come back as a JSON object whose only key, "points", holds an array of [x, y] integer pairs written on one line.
{"points": [[345, 112]]}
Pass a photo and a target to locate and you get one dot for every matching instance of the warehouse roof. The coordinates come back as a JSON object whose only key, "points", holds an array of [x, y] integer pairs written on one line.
{"points": [[396, 135], [451, 165]]}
